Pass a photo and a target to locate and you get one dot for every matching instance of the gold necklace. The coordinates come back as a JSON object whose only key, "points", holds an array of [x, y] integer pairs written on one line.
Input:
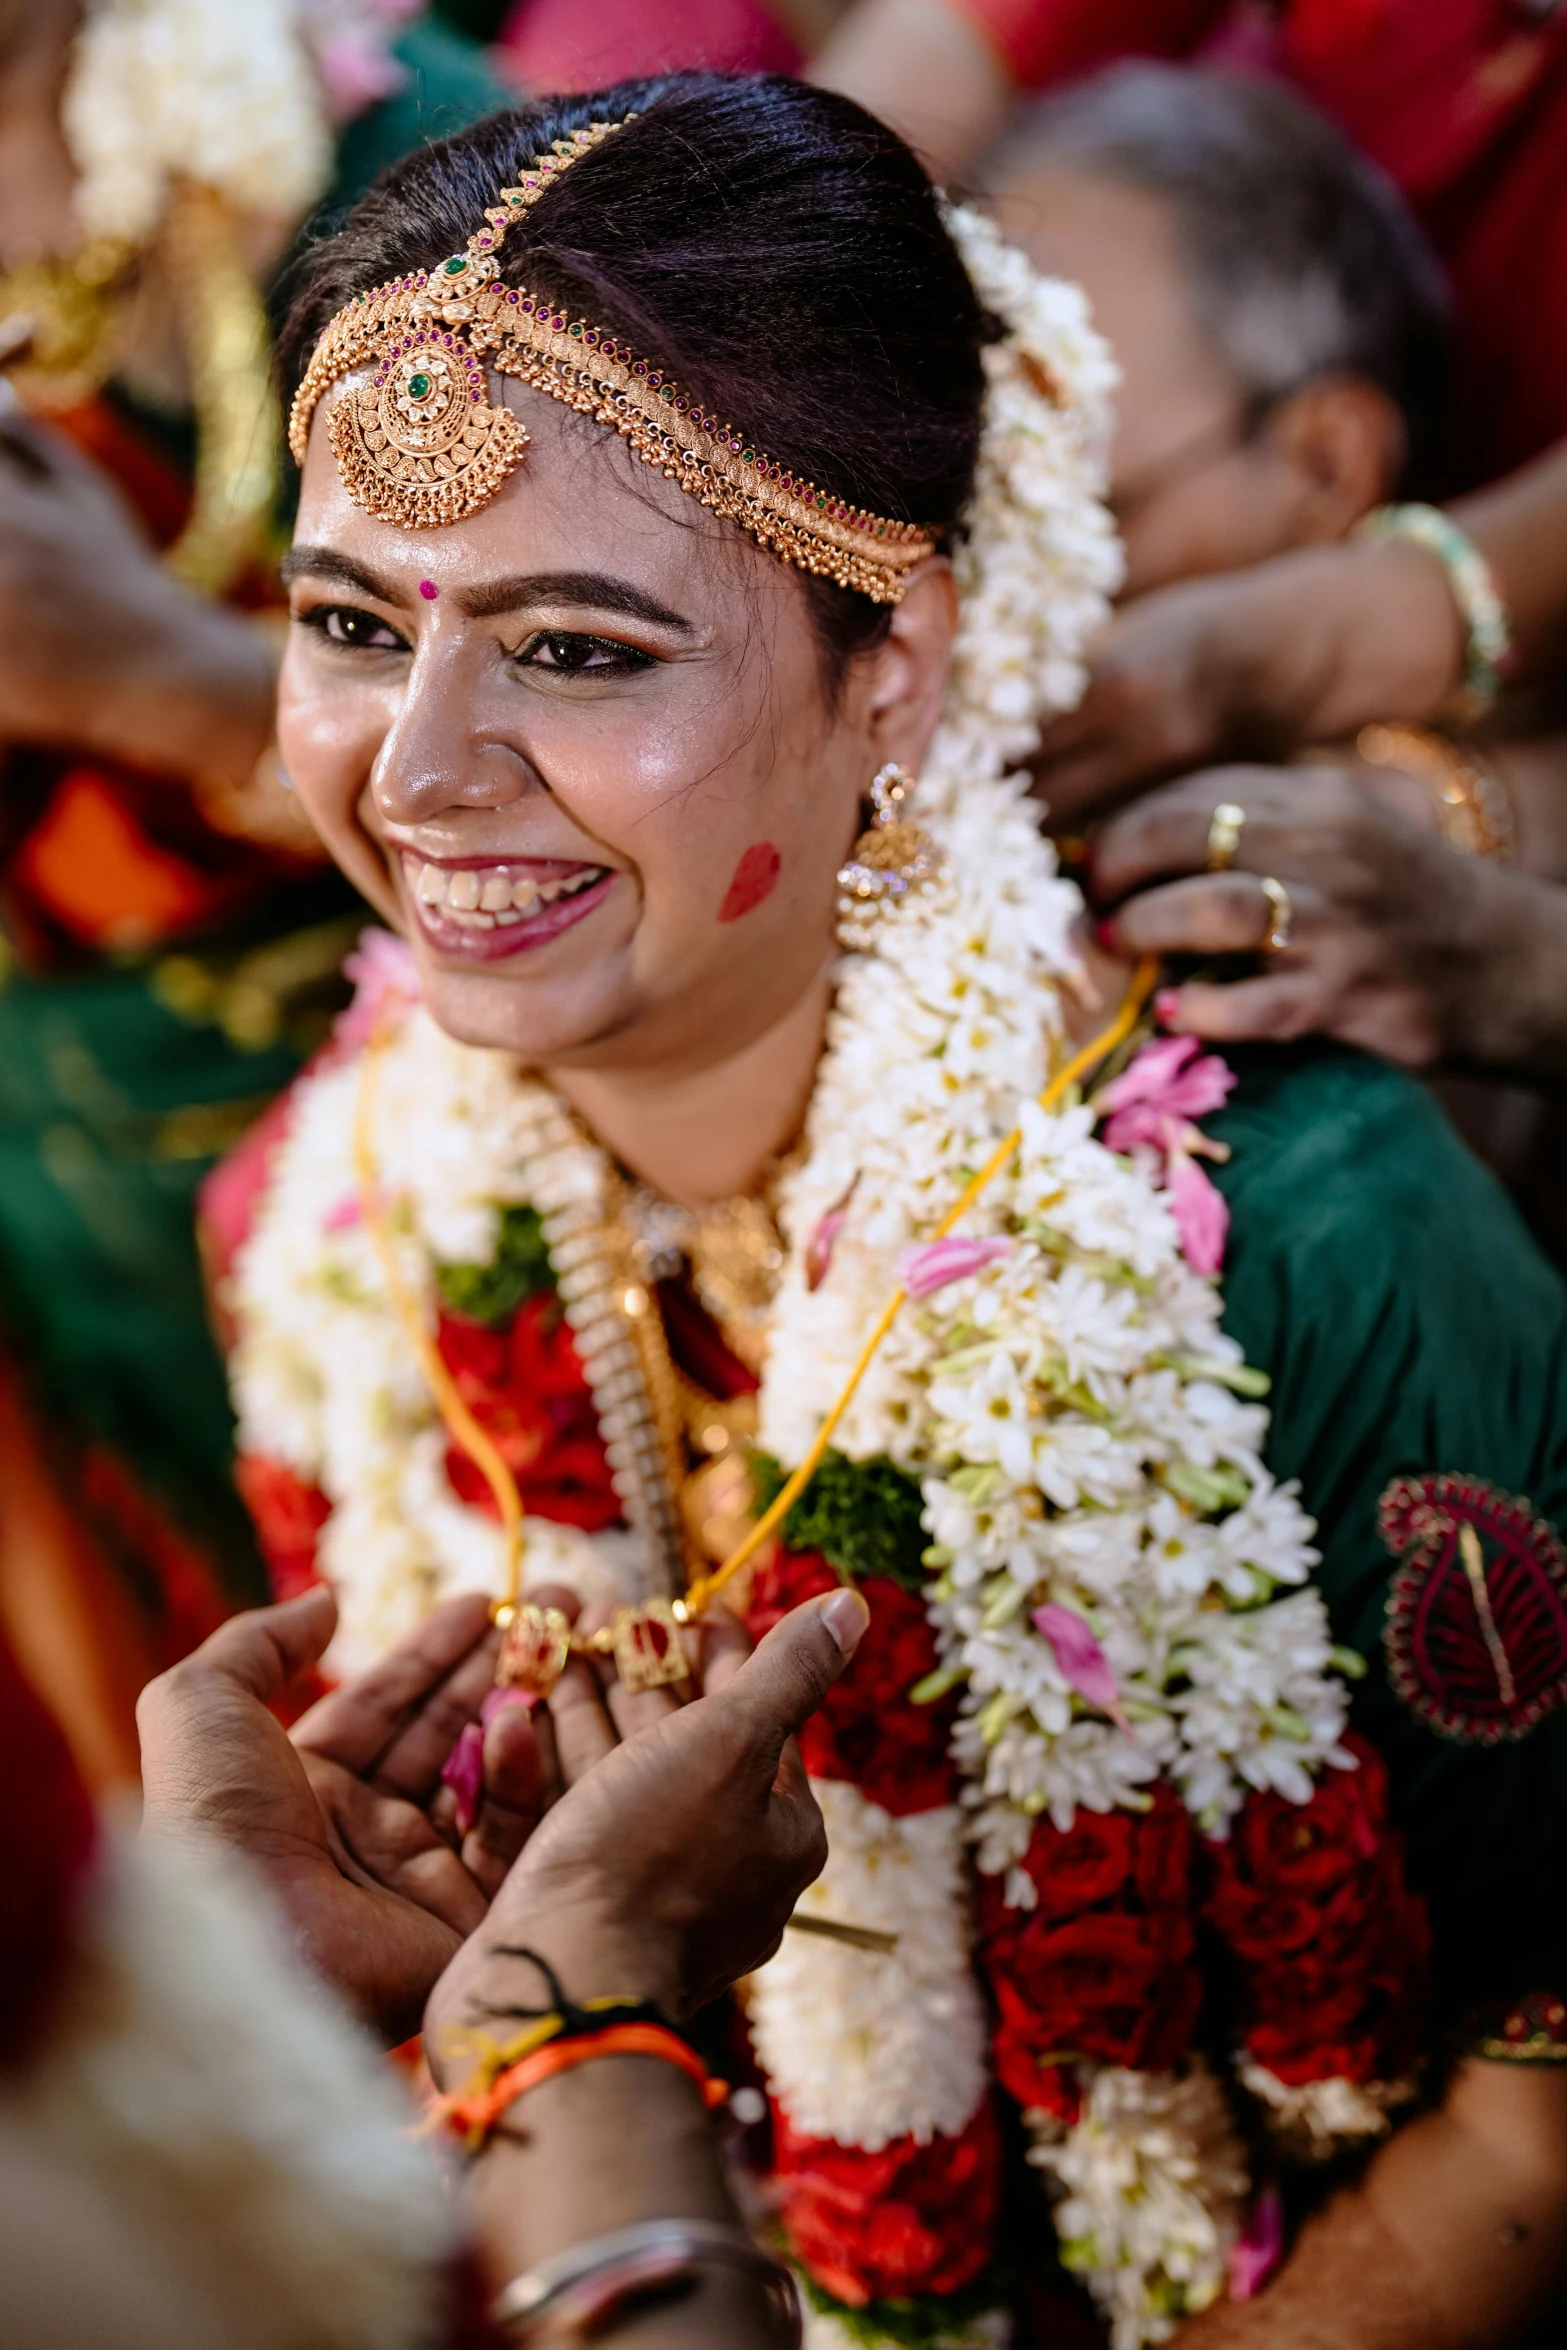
{"points": [[732, 1250]]}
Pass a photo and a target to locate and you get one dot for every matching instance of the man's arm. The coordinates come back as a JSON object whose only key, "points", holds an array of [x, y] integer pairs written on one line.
{"points": [[1455, 2239], [101, 648]]}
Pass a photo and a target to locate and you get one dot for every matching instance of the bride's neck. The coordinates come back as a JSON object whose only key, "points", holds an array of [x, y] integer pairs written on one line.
{"points": [[703, 1135]]}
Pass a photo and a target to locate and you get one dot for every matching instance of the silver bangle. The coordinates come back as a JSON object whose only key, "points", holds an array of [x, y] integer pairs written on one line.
{"points": [[576, 2289]]}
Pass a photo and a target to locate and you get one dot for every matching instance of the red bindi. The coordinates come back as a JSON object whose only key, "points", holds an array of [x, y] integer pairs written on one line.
{"points": [[429, 590], [754, 879]]}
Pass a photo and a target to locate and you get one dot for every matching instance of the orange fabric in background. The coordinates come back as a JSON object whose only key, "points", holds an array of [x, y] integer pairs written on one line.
{"points": [[102, 878]]}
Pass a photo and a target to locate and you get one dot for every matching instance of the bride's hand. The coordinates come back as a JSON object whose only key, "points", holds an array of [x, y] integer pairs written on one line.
{"points": [[686, 1834], [348, 1818]]}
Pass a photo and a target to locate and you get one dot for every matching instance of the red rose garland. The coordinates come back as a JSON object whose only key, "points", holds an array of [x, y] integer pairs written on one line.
{"points": [[1330, 1942], [525, 1387], [1105, 1967], [867, 1731], [887, 2226]]}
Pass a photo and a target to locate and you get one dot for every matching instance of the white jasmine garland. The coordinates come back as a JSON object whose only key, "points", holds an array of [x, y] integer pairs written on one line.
{"points": [[222, 92], [862, 2046], [1079, 1422]]}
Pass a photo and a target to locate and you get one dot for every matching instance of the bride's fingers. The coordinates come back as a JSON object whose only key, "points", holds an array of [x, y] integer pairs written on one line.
{"points": [[723, 1644], [584, 1731], [629, 1710], [512, 1802]]}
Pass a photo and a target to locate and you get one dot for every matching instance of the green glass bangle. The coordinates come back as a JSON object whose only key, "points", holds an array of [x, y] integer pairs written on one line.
{"points": [[1488, 635]]}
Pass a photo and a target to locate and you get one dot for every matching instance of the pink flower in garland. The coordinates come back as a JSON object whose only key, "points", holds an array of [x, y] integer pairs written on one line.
{"points": [[929, 1267], [1151, 1108], [1082, 1661], [1260, 2249], [386, 984]]}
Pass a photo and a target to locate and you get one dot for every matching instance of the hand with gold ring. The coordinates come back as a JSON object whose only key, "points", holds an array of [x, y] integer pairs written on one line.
{"points": [[1372, 928]]}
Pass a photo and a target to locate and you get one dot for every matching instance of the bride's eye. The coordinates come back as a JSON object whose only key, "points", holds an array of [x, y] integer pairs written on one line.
{"points": [[578, 656], [346, 624]]}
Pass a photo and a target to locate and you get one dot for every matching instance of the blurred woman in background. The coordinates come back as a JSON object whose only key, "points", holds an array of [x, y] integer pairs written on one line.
{"points": [[170, 929]]}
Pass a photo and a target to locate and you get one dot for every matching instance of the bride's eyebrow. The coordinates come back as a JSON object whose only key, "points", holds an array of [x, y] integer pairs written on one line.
{"points": [[585, 591], [337, 571]]}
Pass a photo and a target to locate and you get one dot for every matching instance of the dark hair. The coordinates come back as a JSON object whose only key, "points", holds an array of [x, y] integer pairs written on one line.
{"points": [[1303, 258], [775, 249]]}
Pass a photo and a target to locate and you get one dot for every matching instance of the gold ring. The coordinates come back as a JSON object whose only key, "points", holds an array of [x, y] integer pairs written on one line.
{"points": [[1224, 835], [1283, 914]]}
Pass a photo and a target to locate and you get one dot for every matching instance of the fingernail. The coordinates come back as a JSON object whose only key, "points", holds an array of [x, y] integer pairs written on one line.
{"points": [[1167, 1006], [846, 1615], [1104, 934], [499, 1701]]}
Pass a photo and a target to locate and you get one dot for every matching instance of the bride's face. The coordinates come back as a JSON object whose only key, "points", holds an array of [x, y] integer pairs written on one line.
{"points": [[583, 751]]}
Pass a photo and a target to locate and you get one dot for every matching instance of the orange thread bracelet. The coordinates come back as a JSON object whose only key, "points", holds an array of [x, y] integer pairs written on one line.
{"points": [[473, 2116]]}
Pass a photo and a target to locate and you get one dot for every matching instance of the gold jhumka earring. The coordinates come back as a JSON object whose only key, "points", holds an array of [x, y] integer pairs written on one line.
{"points": [[893, 860]]}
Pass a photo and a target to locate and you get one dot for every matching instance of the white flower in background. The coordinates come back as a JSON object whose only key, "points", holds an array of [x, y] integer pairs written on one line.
{"points": [[1151, 2183], [222, 92]]}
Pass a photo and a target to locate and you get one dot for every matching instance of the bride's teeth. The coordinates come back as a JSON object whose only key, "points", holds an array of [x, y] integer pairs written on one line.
{"points": [[478, 901]]}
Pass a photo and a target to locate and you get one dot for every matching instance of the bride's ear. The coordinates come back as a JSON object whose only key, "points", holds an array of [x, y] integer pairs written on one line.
{"points": [[910, 667]]}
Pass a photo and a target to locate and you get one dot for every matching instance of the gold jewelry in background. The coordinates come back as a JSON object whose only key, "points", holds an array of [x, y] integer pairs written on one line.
{"points": [[1472, 803], [229, 353], [62, 323], [1224, 836], [62, 332]]}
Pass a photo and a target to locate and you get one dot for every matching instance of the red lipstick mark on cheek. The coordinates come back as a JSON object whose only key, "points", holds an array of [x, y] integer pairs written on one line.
{"points": [[429, 590], [755, 878]]}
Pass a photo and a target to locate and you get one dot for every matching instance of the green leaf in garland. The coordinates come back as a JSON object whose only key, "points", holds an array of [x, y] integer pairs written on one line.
{"points": [[863, 1516], [519, 1269], [926, 2321]]}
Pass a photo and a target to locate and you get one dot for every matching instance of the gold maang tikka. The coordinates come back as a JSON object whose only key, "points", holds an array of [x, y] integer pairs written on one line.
{"points": [[893, 861], [420, 444]]}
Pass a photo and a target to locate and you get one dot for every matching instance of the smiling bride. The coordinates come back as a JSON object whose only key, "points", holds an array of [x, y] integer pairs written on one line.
{"points": [[739, 1170]]}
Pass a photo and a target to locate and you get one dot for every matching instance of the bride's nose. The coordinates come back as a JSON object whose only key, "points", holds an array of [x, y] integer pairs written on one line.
{"points": [[433, 758]]}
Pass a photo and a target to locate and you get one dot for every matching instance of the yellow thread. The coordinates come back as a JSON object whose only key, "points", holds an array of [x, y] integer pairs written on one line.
{"points": [[461, 1425], [465, 1430]]}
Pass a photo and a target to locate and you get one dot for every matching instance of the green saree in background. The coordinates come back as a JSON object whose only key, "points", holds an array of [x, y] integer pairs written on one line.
{"points": [[1417, 1343]]}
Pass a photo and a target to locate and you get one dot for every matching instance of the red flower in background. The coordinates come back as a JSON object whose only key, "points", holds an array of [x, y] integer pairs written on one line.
{"points": [[909, 2219], [866, 1730], [1105, 1965], [288, 1515], [525, 1387], [1330, 1940]]}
